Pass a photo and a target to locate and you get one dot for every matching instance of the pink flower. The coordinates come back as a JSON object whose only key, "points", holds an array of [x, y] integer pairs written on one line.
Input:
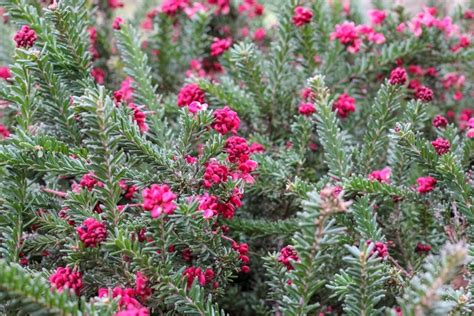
{"points": [[65, 278], [219, 46], [139, 117], [398, 311], [158, 199], [237, 149], [415, 27], [422, 248], [5, 73], [307, 94], [25, 37], [431, 71], [458, 96], [128, 191], [398, 76], [464, 118], [382, 176], [127, 297], [257, 148], [171, 7], [446, 25], [244, 31], [380, 248], [441, 145], [195, 69], [470, 133], [223, 6], [287, 255], [189, 93], [93, 41], [346, 33], [469, 14], [306, 109], [259, 34], [401, 27], [225, 121], [425, 184], [440, 121], [196, 7], [348, 36], [190, 159], [91, 232], [4, 132], [89, 181], [470, 123], [377, 38], [196, 106], [244, 171], [98, 74], [141, 287], [414, 84], [115, 4], [133, 311], [117, 22], [453, 80], [424, 94], [203, 278], [370, 34], [252, 8], [377, 16], [125, 93], [302, 16], [226, 210], [344, 105], [208, 204], [215, 173]]}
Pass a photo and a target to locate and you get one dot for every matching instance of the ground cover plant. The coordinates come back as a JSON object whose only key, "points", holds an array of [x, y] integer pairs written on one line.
{"points": [[241, 157]]}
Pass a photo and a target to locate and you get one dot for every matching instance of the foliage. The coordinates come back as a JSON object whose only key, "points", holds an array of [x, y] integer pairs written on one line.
{"points": [[235, 158]]}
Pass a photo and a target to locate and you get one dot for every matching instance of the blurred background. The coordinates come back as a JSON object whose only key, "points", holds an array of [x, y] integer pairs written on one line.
{"points": [[412, 5]]}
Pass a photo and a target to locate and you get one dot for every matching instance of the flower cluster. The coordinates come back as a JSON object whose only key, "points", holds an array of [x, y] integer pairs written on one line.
{"points": [[89, 181], [226, 121], [130, 298], [424, 94], [242, 249], [189, 93], [344, 105], [25, 37], [426, 184], [302, 16], [219, 46], [92, 232], [380, 248], [215, 173], [159, 199], [351, 35], [286, 256], [398, 76], [65, 278], [306, 109], [203, 277], [441, 145], [422, 248], [139, 117], [381, 175], [440, 121]]}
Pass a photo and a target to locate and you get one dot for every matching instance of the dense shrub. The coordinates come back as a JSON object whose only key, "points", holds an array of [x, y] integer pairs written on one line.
{"points": [[209, 158]]}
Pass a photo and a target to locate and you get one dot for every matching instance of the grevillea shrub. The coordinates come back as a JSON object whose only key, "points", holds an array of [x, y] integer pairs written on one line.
{"points": [[235, 157]]}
